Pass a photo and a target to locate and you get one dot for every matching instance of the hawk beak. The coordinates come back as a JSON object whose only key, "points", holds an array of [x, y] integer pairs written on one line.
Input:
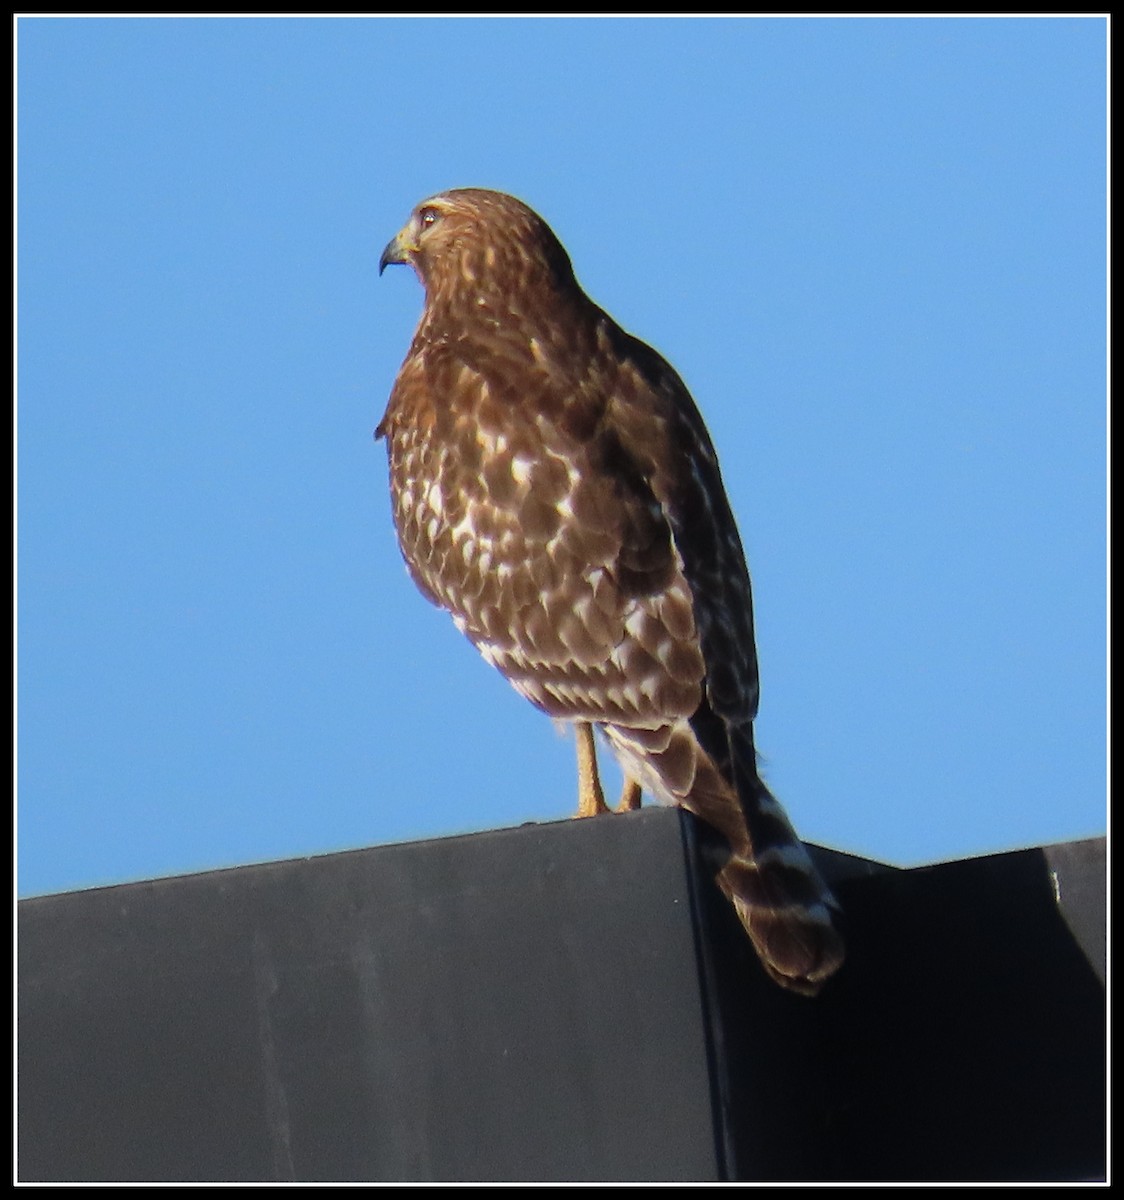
{"points": [[398, 249]]}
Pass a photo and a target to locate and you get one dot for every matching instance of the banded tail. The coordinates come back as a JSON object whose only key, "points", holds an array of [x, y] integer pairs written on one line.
{"points": [[777, 891]]}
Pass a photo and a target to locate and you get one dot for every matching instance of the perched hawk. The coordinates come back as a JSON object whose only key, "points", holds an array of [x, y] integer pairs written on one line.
{"points": [[555, 489]]}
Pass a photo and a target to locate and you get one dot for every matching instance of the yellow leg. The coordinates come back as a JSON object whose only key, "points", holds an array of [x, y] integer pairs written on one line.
{"points": [[591, 799], [630, 795]]}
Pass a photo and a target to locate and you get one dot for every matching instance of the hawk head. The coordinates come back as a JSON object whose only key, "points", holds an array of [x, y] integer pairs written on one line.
{"points": [[478, 240]]}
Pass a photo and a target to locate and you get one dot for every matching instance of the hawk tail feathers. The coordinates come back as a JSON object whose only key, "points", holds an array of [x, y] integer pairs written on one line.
{"points": [[775, 888], [794, 934]]}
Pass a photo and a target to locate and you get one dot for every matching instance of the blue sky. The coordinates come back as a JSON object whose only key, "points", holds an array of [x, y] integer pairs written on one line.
{"points": [[875, 249]]}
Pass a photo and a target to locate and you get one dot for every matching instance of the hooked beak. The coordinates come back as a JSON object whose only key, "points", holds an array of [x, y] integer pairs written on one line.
{"points": [[398, 249]]}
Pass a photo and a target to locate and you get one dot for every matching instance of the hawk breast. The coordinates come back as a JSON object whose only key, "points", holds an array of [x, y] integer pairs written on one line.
{"points": [[539, 531]]}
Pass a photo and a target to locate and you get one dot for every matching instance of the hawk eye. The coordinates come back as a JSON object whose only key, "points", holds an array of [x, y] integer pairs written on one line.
{"points": [[427, 217]]}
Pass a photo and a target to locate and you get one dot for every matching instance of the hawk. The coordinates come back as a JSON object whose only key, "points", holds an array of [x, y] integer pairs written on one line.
{"points": [[555, 489]]}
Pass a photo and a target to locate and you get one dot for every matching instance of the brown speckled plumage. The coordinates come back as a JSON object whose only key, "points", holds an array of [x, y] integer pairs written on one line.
{"points": [[555, 489]]}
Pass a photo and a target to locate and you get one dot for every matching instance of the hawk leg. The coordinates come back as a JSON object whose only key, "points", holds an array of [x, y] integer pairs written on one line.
{"points": [[630, 795], [591, 798]]}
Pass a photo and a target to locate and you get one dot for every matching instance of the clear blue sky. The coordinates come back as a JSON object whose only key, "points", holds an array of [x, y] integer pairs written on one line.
{"points": [[875, 249]]}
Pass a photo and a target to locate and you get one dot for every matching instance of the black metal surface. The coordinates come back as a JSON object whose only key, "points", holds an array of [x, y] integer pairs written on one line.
{"points": [[565, 1002], [520, 1005], [968, 1038]]}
